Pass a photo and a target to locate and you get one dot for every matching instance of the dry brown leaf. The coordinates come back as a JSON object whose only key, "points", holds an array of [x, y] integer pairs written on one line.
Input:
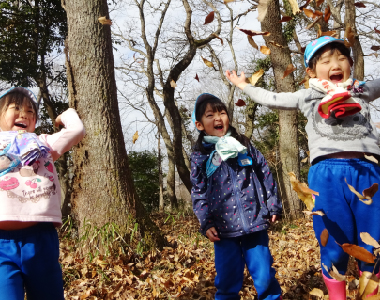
{"points": [[303, 191], [253, 32], [308, 12], [218, 37], [294, 5], [208, 63], [276, 44], [327, 14], [313, 213], [374, 297], [361, 197], [105, 21], [319, 32], [196, 77], [228, 1], [334, 273], [285, 19], [324, 237], [371, 158], [173, 84], [306, 158], [317, 292], [358, 252], [289, 69], [314, 22], [329, 33], [252, 42], [135, 137], [349, 35], [368, 193], [368, 282], [262, 9], [375, 48], [255, 77], [265, 50], [209, 18], [303, 81], [369, 240], [240, 102], [376, 30], [319, 2], [360, 5]]}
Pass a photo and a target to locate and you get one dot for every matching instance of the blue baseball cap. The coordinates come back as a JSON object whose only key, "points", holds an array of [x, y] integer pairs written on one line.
{"points": [[317, 44], [201, 98]]}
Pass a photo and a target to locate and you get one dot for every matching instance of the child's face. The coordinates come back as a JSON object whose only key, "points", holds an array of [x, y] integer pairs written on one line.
{"points": [[18, 118], [334, 67], [214, 123]]}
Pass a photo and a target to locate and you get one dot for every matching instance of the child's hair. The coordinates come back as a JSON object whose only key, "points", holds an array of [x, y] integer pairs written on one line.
{"points": [[334, 46], [219, 106], [18, 96]]}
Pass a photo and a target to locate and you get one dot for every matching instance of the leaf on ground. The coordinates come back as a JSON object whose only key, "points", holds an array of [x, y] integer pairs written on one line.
{"points": [[358, 252], [173, 84], [253, 32], [369, 240], [265, 50], [324, 237], [368, 282], [289, 69], [105, 21], [317, 292], [327, 13], [252, 42], [255, 77], [262, 9], [240, 102], [135, 137], [209, 18], [303, 191], [313, 213], [294, 5], [208, 63]]}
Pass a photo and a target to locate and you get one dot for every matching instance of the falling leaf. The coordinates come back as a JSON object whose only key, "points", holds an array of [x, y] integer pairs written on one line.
{"points": [[358, 252], [262, 8], [317, 292], [329, 33], [303, 81], [360, 5], [314, 22], [253, 32], [361, 198], [319, 2], [285, 19], [276, 44], [265, 50], [289, 69], [104, 21], [294, 5], [319, 31], [371, 191], [369, 240], [252, 42], [313, 213], [173, 84], [196, 77], [318, 13], [303, 191], [308, 12], [376, 30], [218, 37], [208, 63], [371, 158], [368, 282], [228, 1], [135, 137], [349, 35], [324, 237], [334, 273], [240, 102], [327, 14], [305, 5], [375, 48], [255, 77], [306, 158], [209, 18]]}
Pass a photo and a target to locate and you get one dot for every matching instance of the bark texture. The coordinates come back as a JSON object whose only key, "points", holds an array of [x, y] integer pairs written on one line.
{"points": [[102, 186], [280, 58]]}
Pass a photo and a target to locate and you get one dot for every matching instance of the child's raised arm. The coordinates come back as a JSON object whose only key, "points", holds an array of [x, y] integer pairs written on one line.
{"points": [[239, 81]]}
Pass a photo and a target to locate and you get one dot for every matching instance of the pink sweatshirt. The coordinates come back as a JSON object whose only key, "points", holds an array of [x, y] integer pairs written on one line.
{"points": [[33, 193]]}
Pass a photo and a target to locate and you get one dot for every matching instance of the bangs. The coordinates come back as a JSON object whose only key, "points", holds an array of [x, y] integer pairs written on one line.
{"points": [[216, 105], [19, 99]]}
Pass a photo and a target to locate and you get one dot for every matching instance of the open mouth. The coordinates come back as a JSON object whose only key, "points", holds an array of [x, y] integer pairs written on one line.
{"points": [[22, 125], [218, 127], [336, 78]]}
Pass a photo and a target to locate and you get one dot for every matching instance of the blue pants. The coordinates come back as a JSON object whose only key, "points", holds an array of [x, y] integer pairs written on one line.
{"points": [[232, 254], [29, 259], [346, 216]]}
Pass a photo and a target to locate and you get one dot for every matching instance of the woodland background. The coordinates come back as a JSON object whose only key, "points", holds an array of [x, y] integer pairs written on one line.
{"points": [[133, 82]]}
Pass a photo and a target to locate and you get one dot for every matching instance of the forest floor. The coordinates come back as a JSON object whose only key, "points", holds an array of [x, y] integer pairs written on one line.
{"points": [[186, 270]]}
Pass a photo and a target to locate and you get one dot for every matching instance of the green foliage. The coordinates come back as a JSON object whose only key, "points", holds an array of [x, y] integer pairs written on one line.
{"points": [[144, 168]]}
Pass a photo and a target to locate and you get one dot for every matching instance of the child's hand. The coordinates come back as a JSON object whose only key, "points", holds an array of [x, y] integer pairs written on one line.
{"points": [[58, 121], [274, 218], [239, 81], [212, 234]]}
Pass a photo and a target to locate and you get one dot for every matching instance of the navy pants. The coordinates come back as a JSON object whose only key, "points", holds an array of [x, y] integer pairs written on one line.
{"points": [[345, 215], [231, 256], [29, 259]]}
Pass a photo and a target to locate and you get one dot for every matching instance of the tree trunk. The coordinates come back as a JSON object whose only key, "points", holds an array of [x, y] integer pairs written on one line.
{"points": [[103, 190], [280, 58], [170, 183]]}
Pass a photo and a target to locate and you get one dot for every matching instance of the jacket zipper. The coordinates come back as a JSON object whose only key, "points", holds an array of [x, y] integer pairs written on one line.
{"points": [[238, 201]]}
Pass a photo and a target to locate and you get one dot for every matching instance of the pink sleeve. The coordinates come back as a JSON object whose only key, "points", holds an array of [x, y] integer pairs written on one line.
{"points": [[69, 136]]}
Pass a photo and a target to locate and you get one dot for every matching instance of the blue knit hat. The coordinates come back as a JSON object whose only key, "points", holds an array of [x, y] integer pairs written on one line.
{"points": [[27, 92], [317, 44], [201, 98]]}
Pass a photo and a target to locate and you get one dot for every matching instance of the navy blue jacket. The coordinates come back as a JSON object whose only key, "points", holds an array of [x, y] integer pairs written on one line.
{"points": [[235, 200]]}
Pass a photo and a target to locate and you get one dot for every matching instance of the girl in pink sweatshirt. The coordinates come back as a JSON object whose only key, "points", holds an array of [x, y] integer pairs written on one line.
{"points": [[30, 198]]}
